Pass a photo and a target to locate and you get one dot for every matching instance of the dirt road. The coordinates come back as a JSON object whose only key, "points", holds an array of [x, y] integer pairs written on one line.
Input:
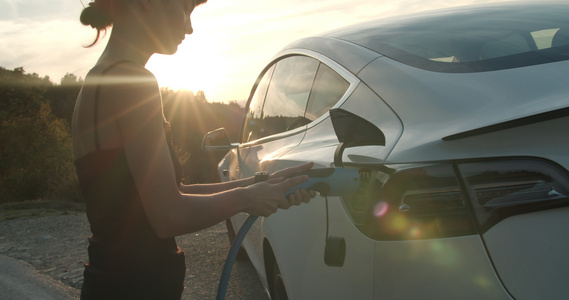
{"points": [[56, 246]]}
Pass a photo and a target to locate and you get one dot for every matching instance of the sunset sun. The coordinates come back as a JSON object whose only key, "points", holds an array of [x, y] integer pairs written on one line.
{"points": [[194, 67]]}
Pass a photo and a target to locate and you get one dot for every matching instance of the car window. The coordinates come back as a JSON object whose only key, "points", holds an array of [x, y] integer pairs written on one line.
{"points": [[509, 45], [485, 39], [253, 129], [286, 98], [549, 38], [328, 88]]}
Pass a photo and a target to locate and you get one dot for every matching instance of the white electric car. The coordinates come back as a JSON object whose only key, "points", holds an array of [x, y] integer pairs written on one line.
{"points": [[458, 124]]}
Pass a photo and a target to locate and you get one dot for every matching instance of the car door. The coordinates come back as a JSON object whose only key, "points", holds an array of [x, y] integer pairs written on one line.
{"points": [[296, 238], [273, 125]]}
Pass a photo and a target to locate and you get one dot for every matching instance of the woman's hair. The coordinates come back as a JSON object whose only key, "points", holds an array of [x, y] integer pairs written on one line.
{"points": [[98, 16]]}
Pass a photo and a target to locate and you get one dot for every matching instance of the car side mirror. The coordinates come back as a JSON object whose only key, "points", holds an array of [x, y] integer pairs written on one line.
{"points": [[353, 131], [217, 140]]}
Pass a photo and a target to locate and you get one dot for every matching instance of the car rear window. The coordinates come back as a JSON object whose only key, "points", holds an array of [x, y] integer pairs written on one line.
{"points": [[472, 39]]}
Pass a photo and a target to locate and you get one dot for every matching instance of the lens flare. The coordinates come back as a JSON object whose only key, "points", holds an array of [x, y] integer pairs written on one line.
{"points": [[398, 223], [415, 232], [380, 209]]}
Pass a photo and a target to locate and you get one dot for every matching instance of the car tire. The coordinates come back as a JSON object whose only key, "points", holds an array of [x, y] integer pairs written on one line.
{"points": [[241, 254], [278, 290]]}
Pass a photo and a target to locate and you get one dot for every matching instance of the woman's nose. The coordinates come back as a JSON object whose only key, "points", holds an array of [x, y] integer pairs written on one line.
{"points": [[189, 29]]}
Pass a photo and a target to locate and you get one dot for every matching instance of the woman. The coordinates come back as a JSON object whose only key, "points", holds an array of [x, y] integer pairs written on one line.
{"points": [[126, 167]]}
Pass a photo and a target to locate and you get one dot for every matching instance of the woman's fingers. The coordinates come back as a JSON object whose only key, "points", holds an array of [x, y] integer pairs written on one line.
{"points": [[290, 183], [301, 195], [311, 194], [271, 193]]}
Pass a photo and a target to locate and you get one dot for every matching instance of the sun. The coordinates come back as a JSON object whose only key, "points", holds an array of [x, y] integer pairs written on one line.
{"points": [[193, 67], [209, 63], [216, 58]]}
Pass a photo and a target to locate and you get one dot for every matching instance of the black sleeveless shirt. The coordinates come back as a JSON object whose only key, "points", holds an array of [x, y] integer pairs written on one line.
{"points": [[127, 260]]}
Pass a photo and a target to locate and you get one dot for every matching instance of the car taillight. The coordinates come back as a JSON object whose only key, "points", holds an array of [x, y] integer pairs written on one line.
{"points": [[499, 189], [420, 203], [403, 202]]}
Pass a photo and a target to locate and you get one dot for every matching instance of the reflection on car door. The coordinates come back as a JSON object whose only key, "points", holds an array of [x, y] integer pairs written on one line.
{"points": [[274, 117]]}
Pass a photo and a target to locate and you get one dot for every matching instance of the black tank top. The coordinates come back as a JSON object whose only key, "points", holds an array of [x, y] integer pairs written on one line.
{"points": [[124, 248]]}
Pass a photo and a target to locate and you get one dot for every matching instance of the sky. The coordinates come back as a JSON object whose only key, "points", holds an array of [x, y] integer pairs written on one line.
{"points": [[231, 44]]}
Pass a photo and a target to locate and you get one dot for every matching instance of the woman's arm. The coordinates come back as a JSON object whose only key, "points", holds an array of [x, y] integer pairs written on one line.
{"points": [[139, 116], [218, 187], [211, 188]]}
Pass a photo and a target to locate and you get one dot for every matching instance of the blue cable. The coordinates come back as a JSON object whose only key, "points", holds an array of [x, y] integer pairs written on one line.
{"points": [[226, 273]]}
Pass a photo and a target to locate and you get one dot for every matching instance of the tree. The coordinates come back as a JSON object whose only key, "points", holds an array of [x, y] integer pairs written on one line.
{"points": [[62, 98], [35, 134], [35, 145], [191, 117], [36, 156]]}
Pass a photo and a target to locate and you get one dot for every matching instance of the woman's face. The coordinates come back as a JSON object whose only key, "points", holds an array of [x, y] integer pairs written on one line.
{"points": [[172, 25]]}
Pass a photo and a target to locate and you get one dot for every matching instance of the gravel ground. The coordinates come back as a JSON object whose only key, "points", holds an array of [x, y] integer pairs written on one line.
{"points": [[56, 245]]}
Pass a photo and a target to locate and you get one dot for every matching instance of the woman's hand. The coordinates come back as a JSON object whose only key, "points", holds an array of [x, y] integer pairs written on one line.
{"points": [[264, 198], [301, 195]]}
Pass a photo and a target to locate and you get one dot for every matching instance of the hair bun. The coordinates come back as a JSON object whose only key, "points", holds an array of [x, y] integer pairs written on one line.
{"points": [[93, 16], [97, 17]]}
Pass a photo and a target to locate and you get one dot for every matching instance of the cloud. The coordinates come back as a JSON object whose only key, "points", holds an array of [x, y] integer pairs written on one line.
{"points": [[39, 9], [51, 48], [236, 38], [45, 37]]}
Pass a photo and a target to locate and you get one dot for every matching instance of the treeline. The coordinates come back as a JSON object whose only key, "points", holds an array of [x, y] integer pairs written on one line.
{"points": [[191, 117], [36, 155]]}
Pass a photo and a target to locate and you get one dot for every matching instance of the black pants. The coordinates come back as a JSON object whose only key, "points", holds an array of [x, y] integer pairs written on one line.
{"points": [[152, 281]]}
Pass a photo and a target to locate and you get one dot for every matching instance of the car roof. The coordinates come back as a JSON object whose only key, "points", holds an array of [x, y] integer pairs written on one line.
{"points": [[469, 39]]}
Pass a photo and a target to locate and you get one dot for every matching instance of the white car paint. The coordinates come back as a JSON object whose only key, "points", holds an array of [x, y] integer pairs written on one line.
{"points": [[520, 257]]}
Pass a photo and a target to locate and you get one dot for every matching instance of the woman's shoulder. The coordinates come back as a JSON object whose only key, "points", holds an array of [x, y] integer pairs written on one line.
{"points": [[126, 72], [122, 80], [120, 73]]}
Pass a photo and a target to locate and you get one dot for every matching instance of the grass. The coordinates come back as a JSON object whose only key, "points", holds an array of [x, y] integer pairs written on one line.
{"points": [[38, 208]]}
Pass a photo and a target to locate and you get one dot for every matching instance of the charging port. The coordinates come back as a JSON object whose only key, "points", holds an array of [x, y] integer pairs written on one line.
{"points": [[358, 205]]}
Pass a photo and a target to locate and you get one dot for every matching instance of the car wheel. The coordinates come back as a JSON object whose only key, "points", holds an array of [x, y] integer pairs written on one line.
{"points": [[242, 254], [278, 290]]}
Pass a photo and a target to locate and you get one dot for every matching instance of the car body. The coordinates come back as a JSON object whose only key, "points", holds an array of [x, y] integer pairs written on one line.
{"points": [[466, 196]]}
